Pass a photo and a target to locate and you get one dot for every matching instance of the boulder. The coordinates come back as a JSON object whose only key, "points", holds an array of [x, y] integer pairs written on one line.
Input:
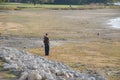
{"points": [[34, 75], [32, 67], [24, 76]]}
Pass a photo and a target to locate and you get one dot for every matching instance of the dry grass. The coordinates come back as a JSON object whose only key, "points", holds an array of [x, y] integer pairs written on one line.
{"points": [[80, 26], [59, 24], [94, 53], [19, 6], [79, 56]]}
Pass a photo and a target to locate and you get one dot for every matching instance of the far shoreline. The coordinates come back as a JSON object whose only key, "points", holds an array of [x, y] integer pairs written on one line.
{"points": [[20, 6]]}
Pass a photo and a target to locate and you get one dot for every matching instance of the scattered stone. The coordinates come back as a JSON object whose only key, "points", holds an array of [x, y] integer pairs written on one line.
{"points": [[32, 67], [24, 76]]}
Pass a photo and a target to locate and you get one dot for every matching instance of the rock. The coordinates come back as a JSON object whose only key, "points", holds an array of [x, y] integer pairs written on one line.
{"points": [[34, 75], [47, 75], [24, 76], [7, 59], [67, 75], [10, 66], [59, 73], [92, 78], [38, 68]]}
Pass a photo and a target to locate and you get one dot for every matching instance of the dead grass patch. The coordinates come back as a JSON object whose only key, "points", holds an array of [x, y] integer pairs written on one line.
{"points": [[94, 53]]}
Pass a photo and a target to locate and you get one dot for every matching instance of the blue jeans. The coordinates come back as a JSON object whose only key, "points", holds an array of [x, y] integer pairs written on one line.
{"points": [[46, 49]]}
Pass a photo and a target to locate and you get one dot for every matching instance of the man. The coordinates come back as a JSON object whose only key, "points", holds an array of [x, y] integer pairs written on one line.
{"points": [[46, 44]]}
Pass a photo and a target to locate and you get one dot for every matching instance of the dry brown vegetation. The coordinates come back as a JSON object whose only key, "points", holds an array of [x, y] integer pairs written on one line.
{"points": [[94, 53], [77, 29]]}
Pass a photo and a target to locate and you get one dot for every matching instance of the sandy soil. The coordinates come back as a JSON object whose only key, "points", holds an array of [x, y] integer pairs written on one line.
{"points": [[71, 25]]}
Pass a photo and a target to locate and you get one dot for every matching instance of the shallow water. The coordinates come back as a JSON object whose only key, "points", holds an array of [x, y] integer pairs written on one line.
{"points": [[115, 23]]}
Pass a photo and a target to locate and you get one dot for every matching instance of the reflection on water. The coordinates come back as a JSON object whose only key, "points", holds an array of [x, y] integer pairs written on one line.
{"points": [[115, 22]]}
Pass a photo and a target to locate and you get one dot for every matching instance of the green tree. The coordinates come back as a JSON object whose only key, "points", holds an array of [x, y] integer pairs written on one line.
{"points": [[2, 1]]}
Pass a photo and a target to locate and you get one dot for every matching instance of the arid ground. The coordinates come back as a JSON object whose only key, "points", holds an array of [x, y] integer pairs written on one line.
{"points": [[80, 38]]}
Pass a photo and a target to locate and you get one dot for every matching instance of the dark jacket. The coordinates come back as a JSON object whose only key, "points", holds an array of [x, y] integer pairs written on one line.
{"points": [[46, 40]]}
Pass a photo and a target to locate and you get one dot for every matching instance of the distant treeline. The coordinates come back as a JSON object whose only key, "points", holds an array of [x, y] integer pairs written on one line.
{"points": [[70, 2]]}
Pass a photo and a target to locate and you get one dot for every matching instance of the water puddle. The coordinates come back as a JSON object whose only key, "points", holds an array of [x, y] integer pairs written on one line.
{"points": [[115, 23]]}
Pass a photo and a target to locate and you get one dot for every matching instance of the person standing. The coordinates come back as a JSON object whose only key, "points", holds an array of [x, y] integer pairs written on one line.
{"points": [[46, 44]]}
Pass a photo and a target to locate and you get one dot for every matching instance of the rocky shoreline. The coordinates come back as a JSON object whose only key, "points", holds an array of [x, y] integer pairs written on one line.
{"points": [[31, 67]]}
